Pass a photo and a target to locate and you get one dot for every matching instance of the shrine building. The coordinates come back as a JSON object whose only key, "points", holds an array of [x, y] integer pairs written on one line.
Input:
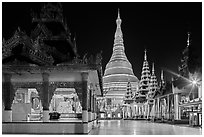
{"points": [[46, 85]]}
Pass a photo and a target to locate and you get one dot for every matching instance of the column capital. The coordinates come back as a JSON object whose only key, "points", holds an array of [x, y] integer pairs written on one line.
{"points": [[84, 76]]}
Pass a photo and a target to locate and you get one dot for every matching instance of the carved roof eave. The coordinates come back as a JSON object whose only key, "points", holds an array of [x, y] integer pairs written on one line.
{"points": [[39, 69], [18, 37], [24, 39]]}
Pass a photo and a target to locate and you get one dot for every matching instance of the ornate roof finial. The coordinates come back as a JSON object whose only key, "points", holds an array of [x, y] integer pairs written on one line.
{"points": [[188, 40], [145, 55], [162, 75], [153, 68], [118, 21], [118, 13], [118, 33]]}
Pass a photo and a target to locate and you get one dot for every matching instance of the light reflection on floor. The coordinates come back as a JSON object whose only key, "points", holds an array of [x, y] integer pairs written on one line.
{"points": [[130, 127]]}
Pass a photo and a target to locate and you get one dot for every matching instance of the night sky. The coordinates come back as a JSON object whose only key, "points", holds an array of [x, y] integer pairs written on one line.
{"points": [[161, 28]]}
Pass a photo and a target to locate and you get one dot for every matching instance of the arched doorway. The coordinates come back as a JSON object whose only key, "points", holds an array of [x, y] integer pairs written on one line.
{"points": [[65, 101]]}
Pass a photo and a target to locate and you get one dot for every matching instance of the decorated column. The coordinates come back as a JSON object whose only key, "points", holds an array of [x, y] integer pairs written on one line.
{"points": [[8, 96], [45, 96], [84, 97]]}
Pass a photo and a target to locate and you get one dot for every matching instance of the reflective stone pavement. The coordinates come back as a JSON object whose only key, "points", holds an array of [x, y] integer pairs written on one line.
{"points": [[130, 127]]}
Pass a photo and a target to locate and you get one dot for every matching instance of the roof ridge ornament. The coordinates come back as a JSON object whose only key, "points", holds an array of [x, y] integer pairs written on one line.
{"points": [[118, 13], [145, 55], [162, 75], [118, 33], [188, 40], [152, 68]]}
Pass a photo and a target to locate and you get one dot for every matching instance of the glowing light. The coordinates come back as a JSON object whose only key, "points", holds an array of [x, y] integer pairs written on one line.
{"points": [[176, 74], [193, 79], [194, 82]]}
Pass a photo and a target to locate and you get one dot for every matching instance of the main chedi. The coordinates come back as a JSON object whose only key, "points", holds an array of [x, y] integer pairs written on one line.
{"points": [[118, 71]]}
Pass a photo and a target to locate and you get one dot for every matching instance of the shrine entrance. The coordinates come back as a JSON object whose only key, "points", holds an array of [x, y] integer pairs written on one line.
{"points": [[65, 101], [26, 105]]}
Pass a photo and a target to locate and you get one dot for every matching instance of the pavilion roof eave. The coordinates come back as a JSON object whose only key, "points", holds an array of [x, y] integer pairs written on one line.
{"points": [[40, 69]]}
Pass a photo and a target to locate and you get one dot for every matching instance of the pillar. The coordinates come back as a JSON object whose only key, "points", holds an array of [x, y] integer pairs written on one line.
{"points": [[200, 91], [94, 107], [158, 108], [176, 107], [8, 95], [90, 104], [136, 110], [84, 97], [148, 111], [168, 107], [45, 96]]}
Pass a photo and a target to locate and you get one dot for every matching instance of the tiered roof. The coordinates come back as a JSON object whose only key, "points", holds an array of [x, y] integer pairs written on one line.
{"points": [[144, 82], [153, 85], [50, 42]]}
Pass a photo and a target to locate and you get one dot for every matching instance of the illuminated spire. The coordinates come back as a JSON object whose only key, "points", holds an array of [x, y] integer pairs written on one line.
{"points": [[118, 71], [145, 55], [162, 76], [118, 13], [145, 81], [118, 33], [188, 40], [153, 68], [153, 84]]}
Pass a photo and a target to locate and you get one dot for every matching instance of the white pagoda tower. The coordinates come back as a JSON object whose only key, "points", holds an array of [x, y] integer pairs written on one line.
{"points": [[118, 71]]}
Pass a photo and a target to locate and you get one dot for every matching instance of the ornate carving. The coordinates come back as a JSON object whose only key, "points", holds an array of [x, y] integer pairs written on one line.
{"points": [[30, 49], [65, 84], [36, 85]]}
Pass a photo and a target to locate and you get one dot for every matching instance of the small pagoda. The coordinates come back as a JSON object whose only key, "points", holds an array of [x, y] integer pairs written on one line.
{"points": [[144, 82]]}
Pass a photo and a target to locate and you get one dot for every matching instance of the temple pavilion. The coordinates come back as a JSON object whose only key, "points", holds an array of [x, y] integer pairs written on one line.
{"points": [[42, 75]]}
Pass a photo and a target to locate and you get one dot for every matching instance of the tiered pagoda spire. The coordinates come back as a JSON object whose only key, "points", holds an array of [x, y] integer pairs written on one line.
{"points": [[183, 69], [144, 82], [153, 84], [118, 70]]}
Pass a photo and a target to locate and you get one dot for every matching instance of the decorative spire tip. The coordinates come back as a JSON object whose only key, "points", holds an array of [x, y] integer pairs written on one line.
{"points": [[118, 13], [153, 67], [162, 75], [145, 55], [188, 40]]}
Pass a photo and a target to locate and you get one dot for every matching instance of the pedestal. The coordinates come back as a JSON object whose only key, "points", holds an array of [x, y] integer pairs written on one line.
{"points": [[7, 116]]}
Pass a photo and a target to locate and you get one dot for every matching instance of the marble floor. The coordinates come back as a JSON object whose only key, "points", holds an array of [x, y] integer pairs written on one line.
{"points": [[130, 127]]}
